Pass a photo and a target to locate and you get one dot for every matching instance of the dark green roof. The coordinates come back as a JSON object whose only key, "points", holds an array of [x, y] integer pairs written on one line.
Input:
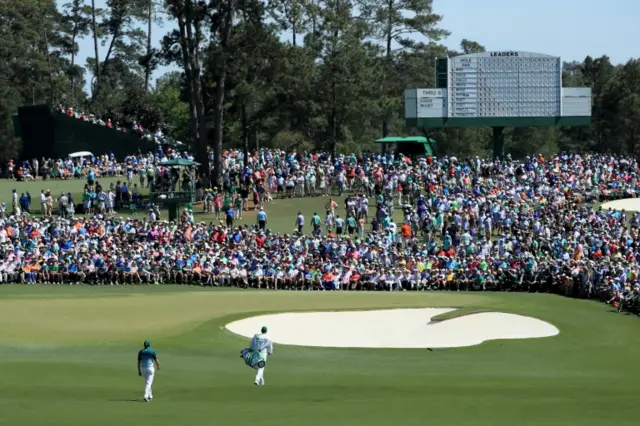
{"points": [[409, 139]]}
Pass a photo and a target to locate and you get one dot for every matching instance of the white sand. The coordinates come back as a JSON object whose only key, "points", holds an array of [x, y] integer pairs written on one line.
{"points": [[627, 204], [394, 328]]}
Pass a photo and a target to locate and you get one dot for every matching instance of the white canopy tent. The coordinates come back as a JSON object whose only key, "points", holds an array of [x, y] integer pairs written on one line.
{"points": [[80, 154]]}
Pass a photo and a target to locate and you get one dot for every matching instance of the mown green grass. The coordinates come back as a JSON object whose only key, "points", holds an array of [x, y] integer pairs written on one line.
{"points": [[62, 366], [281, 212]]}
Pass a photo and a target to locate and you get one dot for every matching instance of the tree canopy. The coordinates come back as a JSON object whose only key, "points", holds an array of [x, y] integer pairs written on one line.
{"points": [[305, 74]]}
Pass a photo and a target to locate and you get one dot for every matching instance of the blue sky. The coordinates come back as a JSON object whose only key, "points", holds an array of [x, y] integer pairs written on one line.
{"points": [[571, 29]]}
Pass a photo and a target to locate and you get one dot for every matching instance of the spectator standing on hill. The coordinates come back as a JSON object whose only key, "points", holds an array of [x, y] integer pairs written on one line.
{"points": [[328, 220], [226, 202], [86, 201], [15, 203], [406, 232], [300, 222], [229, 214], [63, 202], [71, 208], [217, 203], [135, 194], [339, 225], [43, 203], [111, 197], [126, 195], [315, 222], [244, 196], [102, 202], [238, 207], [360, 229], [25, 203], [262, 219], [49, 203], [351, 225]]}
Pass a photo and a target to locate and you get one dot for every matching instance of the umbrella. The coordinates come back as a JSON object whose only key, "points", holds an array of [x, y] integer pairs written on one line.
{"points": [[179, 162]]}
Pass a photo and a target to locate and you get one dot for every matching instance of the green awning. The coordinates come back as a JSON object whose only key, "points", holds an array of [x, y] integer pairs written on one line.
{"points": [[411, 145], [409, 139]]}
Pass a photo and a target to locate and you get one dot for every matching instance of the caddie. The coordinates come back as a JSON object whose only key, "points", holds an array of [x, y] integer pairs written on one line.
{"points": [[255, 356]]}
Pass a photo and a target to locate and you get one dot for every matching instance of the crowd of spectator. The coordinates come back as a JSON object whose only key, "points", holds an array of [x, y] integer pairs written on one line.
{"points": [[435, 224]]}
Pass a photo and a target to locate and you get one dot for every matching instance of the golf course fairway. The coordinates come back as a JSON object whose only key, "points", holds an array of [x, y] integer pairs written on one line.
{"points": [[68, 358]]}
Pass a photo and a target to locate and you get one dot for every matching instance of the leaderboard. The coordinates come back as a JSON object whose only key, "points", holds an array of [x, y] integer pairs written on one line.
{"points": [[504, 84]]}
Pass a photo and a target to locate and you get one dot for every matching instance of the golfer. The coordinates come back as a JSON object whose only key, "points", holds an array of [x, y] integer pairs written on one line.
{"points": [[147, 366], [255, 356]]}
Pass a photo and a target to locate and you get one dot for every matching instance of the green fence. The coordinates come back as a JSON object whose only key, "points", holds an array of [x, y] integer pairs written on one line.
{"points": [[48, 133]]}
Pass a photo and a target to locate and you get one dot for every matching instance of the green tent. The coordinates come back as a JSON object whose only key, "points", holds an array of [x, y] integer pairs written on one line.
{"points": [[397, 139], [180, 162], [411, 146]]}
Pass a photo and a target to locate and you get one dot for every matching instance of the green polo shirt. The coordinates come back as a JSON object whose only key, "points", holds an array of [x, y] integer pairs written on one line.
{"points": [[146, 357]]}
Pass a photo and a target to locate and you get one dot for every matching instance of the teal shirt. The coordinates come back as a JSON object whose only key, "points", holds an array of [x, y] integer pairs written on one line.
{"points": [[146, 357]]}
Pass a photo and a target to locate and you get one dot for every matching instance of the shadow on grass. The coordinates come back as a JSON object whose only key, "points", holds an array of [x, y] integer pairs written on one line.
{"points": [[125, 400], [615, 311]]}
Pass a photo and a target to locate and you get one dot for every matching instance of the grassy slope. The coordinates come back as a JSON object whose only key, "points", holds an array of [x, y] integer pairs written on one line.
{"points": [[282, 213], [585, 376], [461, 312]]}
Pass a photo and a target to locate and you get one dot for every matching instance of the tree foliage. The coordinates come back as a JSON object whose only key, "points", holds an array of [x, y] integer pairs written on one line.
{"points": [[304, 74]]}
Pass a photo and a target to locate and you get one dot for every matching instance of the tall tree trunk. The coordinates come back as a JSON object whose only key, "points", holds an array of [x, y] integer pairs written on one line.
{"points": [[245, 132], [217, 133], [294, 17], [294, 31], [116, 35], [225, 35], [294, 27], [188, 75], [218, 111], [74, 35], [389, 30], [203, 137], [193, 34], [333, 120], [45, 41], [95, 48], [147, 70]]}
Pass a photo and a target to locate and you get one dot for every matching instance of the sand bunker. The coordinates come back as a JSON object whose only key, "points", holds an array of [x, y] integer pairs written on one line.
{"points": [[628, 204], [394, 328]]}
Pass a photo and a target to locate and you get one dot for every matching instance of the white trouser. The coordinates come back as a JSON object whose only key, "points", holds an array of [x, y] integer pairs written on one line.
{"points": [[148, 373], [260, 376], [260, 372]]}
